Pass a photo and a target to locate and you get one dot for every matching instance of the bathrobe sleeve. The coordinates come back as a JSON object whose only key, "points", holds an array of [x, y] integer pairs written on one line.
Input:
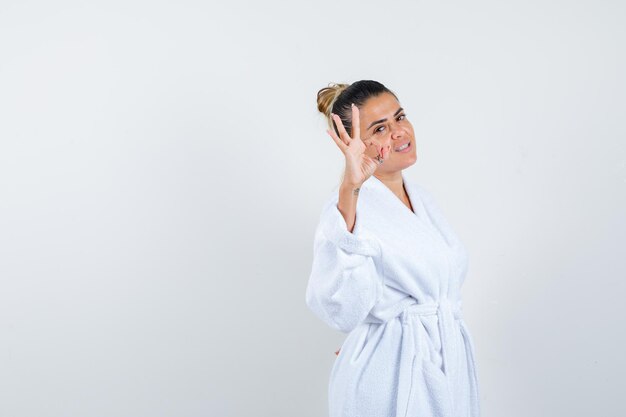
{"points": [[345, 280]]}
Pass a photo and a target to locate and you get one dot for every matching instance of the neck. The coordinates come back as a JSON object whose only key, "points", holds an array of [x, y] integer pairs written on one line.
{"points": [[393, 181]]}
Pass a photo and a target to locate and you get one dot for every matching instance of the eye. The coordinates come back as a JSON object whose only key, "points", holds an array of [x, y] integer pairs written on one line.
{"points": [[399, 118]]}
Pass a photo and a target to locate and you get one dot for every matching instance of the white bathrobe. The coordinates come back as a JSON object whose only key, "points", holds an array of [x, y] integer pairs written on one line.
{"points": [[393, 285]]}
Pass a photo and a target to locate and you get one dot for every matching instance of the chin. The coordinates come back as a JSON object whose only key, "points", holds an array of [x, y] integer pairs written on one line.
{"points": [[407, 162], [411, 159]]}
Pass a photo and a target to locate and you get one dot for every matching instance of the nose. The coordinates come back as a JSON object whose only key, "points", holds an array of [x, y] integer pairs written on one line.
{"points": [[396, 132], [387, 141]]}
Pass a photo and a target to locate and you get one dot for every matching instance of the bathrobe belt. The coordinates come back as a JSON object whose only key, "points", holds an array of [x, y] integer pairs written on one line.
{"points": [[447, 313]]}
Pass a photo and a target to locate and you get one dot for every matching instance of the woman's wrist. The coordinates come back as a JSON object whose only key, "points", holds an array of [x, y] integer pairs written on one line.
{"points": [[348, 196], [353, 188]]}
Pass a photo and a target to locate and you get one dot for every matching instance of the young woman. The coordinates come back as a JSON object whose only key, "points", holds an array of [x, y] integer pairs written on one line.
{"points": [[387, 270]]}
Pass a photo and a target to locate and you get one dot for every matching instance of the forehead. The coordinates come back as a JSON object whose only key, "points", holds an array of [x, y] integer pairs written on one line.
{"points": [[378, 107]]}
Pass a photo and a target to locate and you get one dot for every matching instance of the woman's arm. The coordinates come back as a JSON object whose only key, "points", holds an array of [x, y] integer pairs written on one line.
{"points": [[348, 195], [345, 281]]}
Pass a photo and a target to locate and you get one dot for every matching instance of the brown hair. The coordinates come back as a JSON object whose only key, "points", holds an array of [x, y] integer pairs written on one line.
{"points": [[338, 98]]}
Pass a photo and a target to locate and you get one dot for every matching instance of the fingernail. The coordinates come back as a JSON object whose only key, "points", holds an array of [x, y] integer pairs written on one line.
{"points": [[352, 104]]}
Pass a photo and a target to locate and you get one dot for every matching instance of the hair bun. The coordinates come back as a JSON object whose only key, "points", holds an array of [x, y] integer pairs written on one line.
{"points": [[327, 96]]}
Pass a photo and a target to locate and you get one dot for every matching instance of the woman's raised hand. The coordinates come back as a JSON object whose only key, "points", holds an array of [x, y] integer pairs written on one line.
{"points": [[362, 157]]}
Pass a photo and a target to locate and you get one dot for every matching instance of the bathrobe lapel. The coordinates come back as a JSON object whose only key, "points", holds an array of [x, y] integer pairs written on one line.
{"points": [[419, 216]]}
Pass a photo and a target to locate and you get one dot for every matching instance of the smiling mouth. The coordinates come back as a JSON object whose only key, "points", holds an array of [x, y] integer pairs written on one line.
{"points": [[403, 148]]}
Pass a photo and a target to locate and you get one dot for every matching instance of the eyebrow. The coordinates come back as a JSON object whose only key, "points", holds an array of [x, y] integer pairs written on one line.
{"points": [[385, 119]]}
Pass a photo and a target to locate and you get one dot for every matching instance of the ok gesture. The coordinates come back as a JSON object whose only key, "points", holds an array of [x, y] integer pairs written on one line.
{"points": [[362, 156]]}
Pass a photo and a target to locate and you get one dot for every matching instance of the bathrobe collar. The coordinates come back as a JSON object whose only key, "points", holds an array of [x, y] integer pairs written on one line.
{"points": [[418, 214]]}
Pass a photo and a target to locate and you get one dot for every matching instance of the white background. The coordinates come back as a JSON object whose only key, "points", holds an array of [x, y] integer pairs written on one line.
{"points": [[163, 166]]}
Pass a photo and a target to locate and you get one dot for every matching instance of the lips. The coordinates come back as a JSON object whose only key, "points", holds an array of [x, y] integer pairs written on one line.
{"points": [[405, 149]]}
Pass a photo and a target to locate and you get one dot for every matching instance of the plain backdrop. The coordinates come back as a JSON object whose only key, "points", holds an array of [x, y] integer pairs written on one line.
{"points": [[163, 166]]}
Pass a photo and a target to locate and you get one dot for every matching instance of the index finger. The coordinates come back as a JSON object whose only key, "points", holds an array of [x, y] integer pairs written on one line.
{"points": [[343, 134], [356, 125]]}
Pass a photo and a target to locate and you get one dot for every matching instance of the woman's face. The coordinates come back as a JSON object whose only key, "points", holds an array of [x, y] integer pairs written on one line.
{"points": [[383, 121]]}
